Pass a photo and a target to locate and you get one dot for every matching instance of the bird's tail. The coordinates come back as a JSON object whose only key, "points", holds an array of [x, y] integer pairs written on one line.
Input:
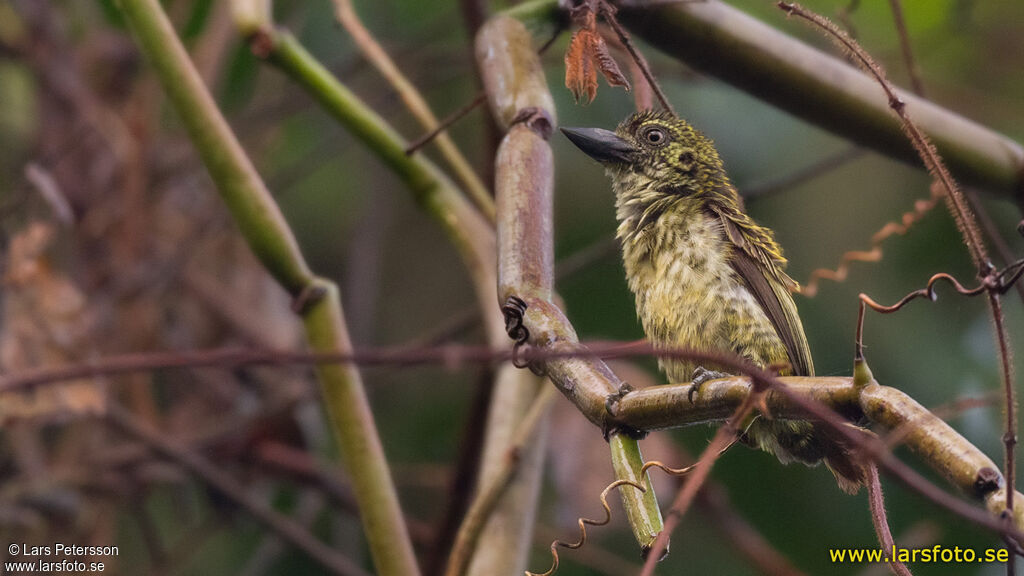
{"points": [[802, 441]]}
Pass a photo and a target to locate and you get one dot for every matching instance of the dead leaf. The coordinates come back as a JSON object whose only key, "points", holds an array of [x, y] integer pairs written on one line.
{"points": [[587, 55]]}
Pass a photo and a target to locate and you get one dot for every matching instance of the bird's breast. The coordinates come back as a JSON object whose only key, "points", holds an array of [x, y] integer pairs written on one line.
{"points": [[688, 294]]}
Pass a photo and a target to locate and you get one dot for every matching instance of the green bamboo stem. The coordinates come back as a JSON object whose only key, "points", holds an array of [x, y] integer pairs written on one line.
{"points": [[270, 238], [252, 206], [509, 525], [643, 514], [416, 104], [471, 234]]}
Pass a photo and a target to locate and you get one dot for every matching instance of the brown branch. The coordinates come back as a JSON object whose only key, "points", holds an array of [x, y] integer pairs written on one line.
{"points": [[876, 501], [805, 403]]}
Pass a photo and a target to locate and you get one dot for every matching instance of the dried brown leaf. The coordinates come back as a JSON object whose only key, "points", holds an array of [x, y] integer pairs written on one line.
{"points": [[580, 74], [606, 64], [586, 56]]}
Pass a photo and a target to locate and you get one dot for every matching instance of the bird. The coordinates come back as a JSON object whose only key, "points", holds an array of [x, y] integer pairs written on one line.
{"points": [[704, 275]]}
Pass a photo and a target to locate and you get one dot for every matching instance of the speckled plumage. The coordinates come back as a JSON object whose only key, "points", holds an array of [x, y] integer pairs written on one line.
{"points": [[705, 275], [679, 256]]}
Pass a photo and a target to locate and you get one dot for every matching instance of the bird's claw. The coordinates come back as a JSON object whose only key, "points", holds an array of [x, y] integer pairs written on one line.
{"points": [[700, 376], [612, 399]]}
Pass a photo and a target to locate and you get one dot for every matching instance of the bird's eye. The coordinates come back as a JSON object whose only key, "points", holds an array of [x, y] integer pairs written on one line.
{"points": [[654, 136]]}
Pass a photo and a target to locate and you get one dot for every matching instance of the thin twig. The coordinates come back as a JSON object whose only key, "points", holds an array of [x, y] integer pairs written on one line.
{"points": [[457, 115], [876, 501], [991, 231], [452, 118], [921, 142], [804, 174], [965, 221]]}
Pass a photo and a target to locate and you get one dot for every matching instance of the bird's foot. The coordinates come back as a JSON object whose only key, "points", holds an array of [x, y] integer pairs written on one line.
{"points": [[612, 399], [700, 376]]}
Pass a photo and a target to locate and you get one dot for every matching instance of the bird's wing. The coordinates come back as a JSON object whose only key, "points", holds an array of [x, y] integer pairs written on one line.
{"points": [[755, 258]]}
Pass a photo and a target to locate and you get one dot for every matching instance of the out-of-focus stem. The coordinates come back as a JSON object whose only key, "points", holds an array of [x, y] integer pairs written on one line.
{"points": [[495, 486], [270, 238], [416, 104]]}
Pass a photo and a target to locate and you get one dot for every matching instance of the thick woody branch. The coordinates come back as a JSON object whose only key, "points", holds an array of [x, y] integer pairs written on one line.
{"points": [[520, 100], [504, 539], [938, 444]]}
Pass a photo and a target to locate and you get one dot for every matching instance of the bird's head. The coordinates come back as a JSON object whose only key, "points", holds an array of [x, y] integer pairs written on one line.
{"points": [[654, 151]]}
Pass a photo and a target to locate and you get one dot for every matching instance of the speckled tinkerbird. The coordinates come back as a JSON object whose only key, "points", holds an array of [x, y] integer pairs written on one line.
{"points": [[704, 274]]}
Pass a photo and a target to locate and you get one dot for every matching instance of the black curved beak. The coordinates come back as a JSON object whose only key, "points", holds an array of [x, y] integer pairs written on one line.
{"points": [[601, 145]]}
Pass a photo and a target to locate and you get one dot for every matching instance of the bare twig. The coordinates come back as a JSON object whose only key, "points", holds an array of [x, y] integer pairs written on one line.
{"points": [[802, 175], [991, 231], [452, 118], [876, 501]]}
